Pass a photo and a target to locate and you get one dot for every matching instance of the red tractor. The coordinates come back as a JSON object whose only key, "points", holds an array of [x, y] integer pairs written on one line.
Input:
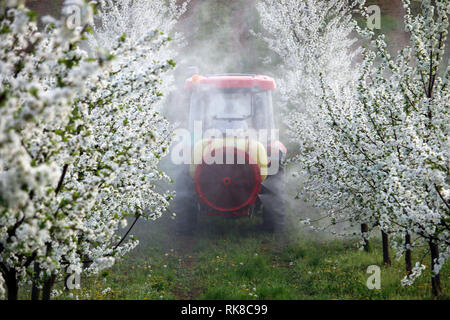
{"points": [[237, 169]]}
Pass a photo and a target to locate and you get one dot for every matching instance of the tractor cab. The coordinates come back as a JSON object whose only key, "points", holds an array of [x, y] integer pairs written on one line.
{"points": [[231, 102]]}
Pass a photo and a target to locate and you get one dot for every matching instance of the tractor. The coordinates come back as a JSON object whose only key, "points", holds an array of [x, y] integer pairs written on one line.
{"points": [[237, 169]]}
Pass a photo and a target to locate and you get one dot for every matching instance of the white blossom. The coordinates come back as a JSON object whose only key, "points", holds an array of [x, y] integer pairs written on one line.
{"points": [[372, 132], [80, 141]]}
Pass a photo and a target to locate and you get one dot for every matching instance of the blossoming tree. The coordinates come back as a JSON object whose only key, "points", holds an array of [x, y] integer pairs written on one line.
{"points": [[314, 39], [373, 137], [135, 19], [404, 105], [80, 140]]}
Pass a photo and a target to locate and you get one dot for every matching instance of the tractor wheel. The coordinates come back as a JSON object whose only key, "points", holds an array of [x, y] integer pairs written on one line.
{"points": [[273, 200], [185, 203]]}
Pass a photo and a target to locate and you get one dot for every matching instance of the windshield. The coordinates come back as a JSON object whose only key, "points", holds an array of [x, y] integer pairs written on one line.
{"points": [[230, 106], [231, 109]]}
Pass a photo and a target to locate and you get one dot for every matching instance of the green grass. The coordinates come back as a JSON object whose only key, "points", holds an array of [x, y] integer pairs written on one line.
{"points": [[230, 259]]}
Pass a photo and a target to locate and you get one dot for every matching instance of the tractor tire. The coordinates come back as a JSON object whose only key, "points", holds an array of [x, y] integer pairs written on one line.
{"points": [[273, 200], [185, 203]]}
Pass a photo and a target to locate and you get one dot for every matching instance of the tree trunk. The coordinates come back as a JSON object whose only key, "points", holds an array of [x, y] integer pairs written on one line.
{"points": [[35, 291], [12, 285], [47, 288], [385, 238], [435, 278], [408, 262], [364, 230]]}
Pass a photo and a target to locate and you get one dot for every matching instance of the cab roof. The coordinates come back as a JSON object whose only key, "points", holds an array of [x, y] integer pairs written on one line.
{"points": [[231, 81]]}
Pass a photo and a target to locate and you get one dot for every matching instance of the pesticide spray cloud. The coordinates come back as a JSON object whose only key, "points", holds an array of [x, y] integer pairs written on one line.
{"points": [[212, 36], [222, 38]]}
